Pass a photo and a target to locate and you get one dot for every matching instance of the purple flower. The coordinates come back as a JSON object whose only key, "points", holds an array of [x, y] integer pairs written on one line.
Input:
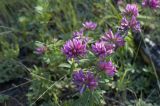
{"points": [[154, 4], [108, 68], [40, 50], [102, 49], [133, 24], [78, 34], [84, 80], [74, 48], [130, 10], [89, 25], [124, 24], [119, 1], [116, 39]]}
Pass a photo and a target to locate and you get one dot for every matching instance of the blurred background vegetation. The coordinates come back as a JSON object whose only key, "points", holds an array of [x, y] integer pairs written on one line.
{"points": [[26, 23]]}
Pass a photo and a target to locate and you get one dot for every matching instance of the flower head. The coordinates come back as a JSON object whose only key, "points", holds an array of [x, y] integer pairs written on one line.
{"points": [[74, 48], [108, 68], [116, 39], [84, 80], [78, 34], [89, 25], [102, 49], [131, 10], [133, 24], [154, 4], [119, 1], [145, 3], [124, 24], [41, 49]]}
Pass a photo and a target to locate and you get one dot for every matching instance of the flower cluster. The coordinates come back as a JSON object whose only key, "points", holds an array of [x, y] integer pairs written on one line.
{"points": [[116, 39], [131, 10], [78, 34], [129, 20], [74, 48], [154, 4], [89, 25], [108, 68], [40, 50], [107, 45], [102, 48], [77, 47], [84, 80], [132, 24], [118, 1]]}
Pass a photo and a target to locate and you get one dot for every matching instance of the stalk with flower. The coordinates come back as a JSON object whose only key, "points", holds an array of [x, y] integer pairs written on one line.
{"points": [[103, 48]]}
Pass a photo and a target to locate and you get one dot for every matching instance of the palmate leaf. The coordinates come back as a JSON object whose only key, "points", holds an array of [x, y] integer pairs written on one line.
{"points": [[88, 98]]}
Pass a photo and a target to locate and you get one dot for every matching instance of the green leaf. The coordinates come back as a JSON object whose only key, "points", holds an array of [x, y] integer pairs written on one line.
{"points": [[83, 60], [65, 65]]}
